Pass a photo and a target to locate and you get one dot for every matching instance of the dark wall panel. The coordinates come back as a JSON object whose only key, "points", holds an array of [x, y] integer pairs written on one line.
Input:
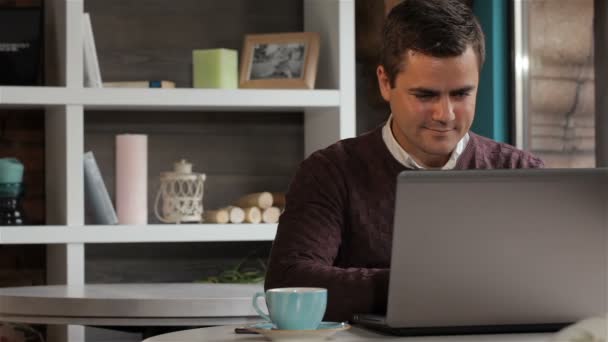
{"points": [[154, 39], [239, 152]]}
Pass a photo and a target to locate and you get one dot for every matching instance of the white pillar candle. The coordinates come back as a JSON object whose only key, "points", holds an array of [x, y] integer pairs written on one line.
{"points": [[132, 178]]}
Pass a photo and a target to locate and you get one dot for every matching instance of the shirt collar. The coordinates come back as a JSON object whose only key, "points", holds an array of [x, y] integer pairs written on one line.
{"points": [[404, 158]]}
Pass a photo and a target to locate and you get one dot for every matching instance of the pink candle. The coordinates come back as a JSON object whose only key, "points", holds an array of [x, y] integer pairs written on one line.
{"points": [[132, 178]]}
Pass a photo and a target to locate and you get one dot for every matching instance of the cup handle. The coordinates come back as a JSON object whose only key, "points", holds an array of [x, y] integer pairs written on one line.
{"points": [[257, 308]]}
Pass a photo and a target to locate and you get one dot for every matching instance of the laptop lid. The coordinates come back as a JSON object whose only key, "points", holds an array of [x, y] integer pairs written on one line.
{"points": [[498, 247]]}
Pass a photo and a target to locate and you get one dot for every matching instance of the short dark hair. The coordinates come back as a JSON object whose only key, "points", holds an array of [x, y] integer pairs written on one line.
{"points": [[438, 28]]}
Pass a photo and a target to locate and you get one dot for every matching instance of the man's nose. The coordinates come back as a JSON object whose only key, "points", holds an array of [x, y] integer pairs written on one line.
{"points": [[444, 111]]}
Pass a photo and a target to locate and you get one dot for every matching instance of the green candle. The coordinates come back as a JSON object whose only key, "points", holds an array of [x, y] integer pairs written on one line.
{"points": [[215, 68]]}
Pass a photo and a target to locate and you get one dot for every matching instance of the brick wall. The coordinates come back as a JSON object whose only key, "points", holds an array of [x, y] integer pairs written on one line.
{"points": [[22, 137], [561, 106]]}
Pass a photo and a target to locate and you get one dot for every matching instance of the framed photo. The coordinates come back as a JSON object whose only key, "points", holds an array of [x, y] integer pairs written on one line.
{"points": [[281, 60]]}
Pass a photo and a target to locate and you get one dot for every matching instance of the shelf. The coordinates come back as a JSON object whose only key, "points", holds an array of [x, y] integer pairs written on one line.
{"points": [[169, 99], [135, 234]]}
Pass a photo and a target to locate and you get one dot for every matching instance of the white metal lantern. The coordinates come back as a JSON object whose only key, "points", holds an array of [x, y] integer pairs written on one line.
{"points": [[180, 196]]}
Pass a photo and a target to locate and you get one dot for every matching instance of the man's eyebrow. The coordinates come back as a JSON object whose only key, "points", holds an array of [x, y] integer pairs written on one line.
{"points": [[465, 89], [423, 90]]}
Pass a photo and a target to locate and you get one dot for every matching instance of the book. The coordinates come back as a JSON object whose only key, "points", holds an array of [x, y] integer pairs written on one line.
{"points": [[97, 199], [92, 73], [140, 84]]}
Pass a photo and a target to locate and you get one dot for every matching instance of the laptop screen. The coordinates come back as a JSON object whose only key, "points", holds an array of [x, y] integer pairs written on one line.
{"points": [[498, 247]]}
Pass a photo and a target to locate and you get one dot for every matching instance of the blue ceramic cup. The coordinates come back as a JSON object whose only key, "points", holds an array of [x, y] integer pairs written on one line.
{"points": [[293, 308]]}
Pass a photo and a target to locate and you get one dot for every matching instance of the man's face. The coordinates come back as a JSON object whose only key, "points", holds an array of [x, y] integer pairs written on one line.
{"points": [[433, 104]]}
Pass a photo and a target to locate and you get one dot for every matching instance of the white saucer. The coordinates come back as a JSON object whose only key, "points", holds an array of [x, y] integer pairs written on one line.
{"points": [[325, 330]]}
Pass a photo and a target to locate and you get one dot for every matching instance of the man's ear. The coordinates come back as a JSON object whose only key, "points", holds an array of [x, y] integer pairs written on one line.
{"points": [[389, 4], [384, 83]]}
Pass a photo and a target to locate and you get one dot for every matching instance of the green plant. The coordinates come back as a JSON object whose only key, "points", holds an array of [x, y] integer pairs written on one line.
{"points": [[240, 274], [30, 334]]}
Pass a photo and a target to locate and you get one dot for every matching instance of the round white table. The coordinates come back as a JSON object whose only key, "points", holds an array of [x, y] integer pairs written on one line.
{"points": [[131, 304], [355, 334]]}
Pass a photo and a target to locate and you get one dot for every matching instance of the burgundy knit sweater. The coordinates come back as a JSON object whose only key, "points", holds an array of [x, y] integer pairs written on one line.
{"points": [[336, 230]]}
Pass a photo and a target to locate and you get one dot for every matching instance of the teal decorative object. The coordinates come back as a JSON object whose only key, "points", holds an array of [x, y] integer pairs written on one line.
{"points": [[11, 171], [11, 189]]}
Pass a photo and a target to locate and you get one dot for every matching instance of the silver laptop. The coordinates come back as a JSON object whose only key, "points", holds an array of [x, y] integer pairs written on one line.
{"points": [[490, 251]]}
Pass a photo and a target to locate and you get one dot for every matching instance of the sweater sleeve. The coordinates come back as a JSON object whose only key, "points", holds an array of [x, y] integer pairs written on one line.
{"points": [[535, 163], [308, 241]]}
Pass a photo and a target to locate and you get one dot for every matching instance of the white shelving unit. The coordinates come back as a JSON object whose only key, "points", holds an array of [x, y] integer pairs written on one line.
{"points": [[329, 116], [131, 234], [170, 99]]}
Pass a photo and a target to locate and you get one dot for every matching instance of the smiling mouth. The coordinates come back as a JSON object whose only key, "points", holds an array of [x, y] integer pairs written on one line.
{"points": [[439, 130]]}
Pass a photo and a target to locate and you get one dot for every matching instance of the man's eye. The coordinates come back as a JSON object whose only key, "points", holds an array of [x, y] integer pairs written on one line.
{"points": [[424, 96], [461, 95]]}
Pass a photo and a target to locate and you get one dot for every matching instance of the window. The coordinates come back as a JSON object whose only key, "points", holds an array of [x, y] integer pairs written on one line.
{"points": [[554, 80]]}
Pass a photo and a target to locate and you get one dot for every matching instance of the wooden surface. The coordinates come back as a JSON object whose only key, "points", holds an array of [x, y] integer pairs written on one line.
{"points": [[155, 233], [131, 322], [226, 334], [131, 304]]}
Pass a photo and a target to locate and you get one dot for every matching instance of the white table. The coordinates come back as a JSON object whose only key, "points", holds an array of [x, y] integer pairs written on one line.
{"points": [[226, 334], [130, 304]]}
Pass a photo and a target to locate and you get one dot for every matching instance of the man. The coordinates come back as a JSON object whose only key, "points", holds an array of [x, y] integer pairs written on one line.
{"points": [[336, 230]]}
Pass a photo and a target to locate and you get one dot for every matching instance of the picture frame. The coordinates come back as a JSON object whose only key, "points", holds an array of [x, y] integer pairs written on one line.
{"points": [[280, 60]]}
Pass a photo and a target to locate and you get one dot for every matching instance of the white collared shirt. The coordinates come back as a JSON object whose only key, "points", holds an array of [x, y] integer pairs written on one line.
{"points": [[404, 158]]}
